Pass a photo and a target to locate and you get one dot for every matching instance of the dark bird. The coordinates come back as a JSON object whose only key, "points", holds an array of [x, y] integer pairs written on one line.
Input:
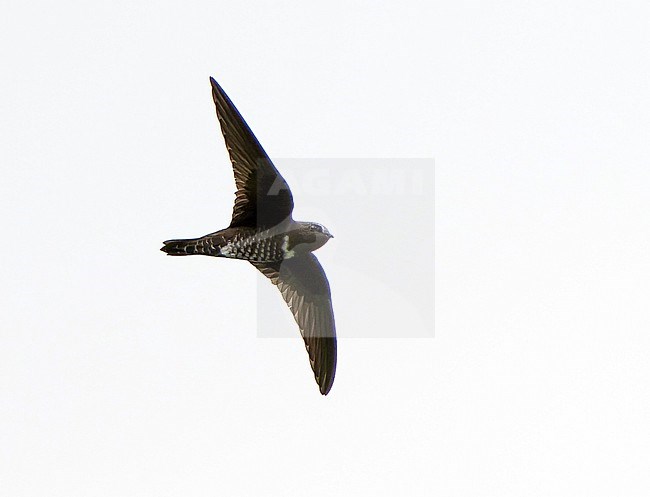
{"points": [[263, 232]]}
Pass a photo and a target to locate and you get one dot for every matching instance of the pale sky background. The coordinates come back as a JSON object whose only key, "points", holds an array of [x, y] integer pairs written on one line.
{"points": [[127, 373]]}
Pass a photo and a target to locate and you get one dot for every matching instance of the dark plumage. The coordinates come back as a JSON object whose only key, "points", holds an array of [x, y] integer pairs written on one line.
{"points": [[263, 232]]}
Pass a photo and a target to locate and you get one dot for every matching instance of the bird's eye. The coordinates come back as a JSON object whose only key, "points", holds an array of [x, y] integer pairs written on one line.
{"points": [[314, 227]]}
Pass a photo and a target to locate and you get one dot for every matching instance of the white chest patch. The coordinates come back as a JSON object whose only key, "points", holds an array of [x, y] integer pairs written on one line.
{"points": [[285, 248]]}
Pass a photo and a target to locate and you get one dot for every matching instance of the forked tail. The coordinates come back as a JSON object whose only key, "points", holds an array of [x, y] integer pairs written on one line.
{"points": [[184, 247]]}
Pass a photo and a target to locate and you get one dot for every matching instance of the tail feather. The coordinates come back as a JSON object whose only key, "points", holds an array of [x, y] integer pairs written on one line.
{"points": [[184, 247]]}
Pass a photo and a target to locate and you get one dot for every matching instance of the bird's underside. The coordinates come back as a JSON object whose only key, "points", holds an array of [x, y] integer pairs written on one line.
{"points": [[263, 232], [249, 244]]}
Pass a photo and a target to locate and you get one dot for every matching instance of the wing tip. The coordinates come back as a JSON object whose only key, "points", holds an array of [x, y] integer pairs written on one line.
{"points": [[325, 389], [216, 89], [326, 382]]}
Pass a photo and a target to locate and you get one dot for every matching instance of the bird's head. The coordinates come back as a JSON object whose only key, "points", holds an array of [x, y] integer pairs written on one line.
{"points": [[310, 236]]}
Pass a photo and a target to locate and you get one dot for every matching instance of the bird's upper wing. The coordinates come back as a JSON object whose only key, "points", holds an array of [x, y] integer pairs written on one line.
{"points": [[263, 198], [305, 288]]}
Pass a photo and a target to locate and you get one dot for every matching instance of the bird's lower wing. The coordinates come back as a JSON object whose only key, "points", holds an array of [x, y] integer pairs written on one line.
{"points": [[304, 286]]}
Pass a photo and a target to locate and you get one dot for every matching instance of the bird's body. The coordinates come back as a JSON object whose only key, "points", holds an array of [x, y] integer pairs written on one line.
{"points": [[263, 232], [252, 244]]}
